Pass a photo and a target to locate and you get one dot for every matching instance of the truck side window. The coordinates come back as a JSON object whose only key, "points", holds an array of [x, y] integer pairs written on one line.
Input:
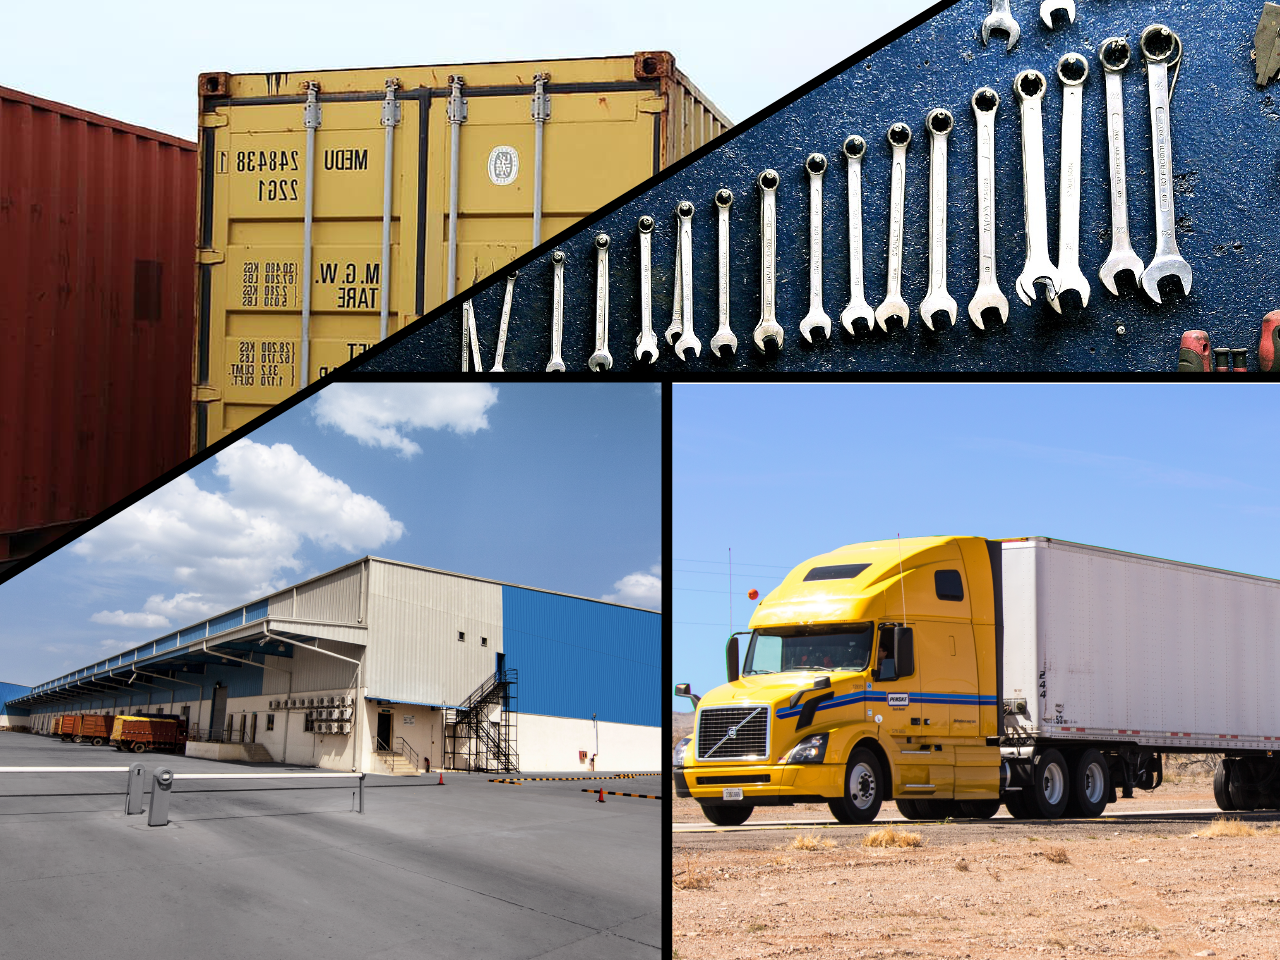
{"points": [[948, 584]]}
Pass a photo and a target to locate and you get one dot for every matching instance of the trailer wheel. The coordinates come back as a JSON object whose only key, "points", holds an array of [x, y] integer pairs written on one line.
{"points": [[723, 815], [1243, 793], [139, 747], [938, 808], [980, 809], [1221, 785], [1050, 785], [1090, 785], [97, 741], [906, 807], [863, 789]]}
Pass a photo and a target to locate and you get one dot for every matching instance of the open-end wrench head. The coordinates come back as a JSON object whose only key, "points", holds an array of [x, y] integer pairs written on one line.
{"points": [[647, 346], [815, 319], [688, 341], [860, 310], [1047, 8], [1070, 282], [1026, 283], [1162, 267], [1114, 53], [555, 366], [1029, 85], [1120, 261], [936, 303], [600, 360], [724, 338], [985, 301], [1073, 69], [766, 331], [1001, 21], [893, 307]]}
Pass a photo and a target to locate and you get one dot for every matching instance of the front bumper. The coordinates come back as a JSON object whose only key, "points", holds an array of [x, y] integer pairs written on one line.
{"points": [[762, 784]]}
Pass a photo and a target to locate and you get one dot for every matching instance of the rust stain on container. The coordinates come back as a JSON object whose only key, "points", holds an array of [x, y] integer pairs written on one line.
{"points": [[97, 292]]}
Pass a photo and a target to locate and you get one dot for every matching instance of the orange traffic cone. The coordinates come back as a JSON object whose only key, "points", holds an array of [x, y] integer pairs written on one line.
{"points": [[600, 799], [441, 783]]}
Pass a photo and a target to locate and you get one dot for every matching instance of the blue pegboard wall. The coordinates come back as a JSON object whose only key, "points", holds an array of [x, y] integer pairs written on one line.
{"points": [[1227, 183]]}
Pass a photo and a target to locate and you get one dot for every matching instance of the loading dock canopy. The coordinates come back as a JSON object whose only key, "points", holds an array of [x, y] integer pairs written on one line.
{"points": [[251, 642]]}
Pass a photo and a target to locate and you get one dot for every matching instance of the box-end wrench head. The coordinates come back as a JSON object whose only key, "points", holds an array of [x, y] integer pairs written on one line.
{"points": [[687, 341], [724, 336], [1048, 7], [988, 297], [1073, 70], [1000, 20], [768, 328], [815, 166], [601, 359], [1114, 55], [899, 137], [556, 365], [858, 309], [938, 123], [1029, 87], [646, 339]]}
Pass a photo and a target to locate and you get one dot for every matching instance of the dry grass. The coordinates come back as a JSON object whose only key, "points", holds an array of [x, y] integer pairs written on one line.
{"points": [[962, 865], [1057, 855], [1229, 827], [810, 842], [889, 837], [691, 878]]}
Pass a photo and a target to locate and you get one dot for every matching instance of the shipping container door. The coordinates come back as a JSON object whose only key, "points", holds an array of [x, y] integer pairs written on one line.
{"points": [[218, 716]]}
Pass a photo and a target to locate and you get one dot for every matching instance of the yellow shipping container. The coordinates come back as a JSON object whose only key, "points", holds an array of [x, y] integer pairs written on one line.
{"points": [[336, 206]]}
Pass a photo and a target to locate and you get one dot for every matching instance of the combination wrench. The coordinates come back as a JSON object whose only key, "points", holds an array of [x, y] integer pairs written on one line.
{"points": [[469, 337], [939, 123], [646, 339], [684, 281], [1000, 20], [815, 165], [768, 328], [1158, 44], [1114, 54], [506, 318], [1029, 87], [724, 336], [1073, 70], [556, 365], [858, 309], [1047, 7], [899, 136], [601, 359], [988, 296]]}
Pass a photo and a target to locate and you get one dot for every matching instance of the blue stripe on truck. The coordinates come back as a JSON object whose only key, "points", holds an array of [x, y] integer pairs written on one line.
{"points": [[880, 696]]}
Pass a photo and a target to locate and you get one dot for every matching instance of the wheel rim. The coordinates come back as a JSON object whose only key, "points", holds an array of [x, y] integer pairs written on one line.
{"points": [[862, 786], [1051, 784], [1093, 780]]}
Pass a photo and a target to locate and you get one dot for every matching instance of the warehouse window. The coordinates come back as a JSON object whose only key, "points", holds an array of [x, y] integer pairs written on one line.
{"points": [[461, 636], [271, 721], [948, 585], [484, 641]]}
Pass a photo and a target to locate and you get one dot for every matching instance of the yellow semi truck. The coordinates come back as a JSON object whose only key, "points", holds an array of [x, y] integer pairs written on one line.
{"points": [[951, 674]]}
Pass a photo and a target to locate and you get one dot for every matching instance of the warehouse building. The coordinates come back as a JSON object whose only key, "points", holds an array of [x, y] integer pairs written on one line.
{"points": [[13, 718], [383, 666]]}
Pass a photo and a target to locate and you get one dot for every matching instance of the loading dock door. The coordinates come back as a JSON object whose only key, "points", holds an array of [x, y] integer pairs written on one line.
{"points": [[384, 732], [219, 717]]}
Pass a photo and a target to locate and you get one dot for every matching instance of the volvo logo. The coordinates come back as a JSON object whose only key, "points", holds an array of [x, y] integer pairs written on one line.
{"points": [[733, 731]]}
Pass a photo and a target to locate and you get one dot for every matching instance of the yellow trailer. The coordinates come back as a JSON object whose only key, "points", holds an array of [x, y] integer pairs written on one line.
{"points": [[336, 206]]}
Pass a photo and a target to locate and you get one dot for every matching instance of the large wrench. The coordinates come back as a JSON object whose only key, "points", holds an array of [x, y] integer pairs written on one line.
{"points": [[676, 327], [724, 336], [684, 280], [1029, 87], [601, 359], [1114, 54], [556, 365], [894, 306], [469, 337], [988, 295], [1073, 70], [939, 123], [815, 165], [506, 317], [1048, 6], [768, 328], [1000, 20], [1158, 43], [646, 339], [858, 308]]}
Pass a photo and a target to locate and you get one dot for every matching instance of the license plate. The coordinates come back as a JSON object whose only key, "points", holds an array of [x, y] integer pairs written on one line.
{"points": [[732, 793]]}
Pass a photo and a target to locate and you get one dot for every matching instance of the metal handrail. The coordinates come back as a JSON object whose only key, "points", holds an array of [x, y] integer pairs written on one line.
{"points": [[409, 753]]}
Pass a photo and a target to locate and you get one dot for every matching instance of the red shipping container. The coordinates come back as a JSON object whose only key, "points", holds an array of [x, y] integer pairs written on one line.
{"points": [[97, 287]]}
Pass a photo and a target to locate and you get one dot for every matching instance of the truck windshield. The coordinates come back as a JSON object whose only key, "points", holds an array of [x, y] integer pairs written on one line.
{"points": [[845, 646]]}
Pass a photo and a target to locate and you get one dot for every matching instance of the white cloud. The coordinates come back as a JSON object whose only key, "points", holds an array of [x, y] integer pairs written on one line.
{"points": [[639, 589], [377, 413], [119, 618]]}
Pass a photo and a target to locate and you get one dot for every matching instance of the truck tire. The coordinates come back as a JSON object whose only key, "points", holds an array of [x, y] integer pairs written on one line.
{"points": [[1241, 788], [1221, 785], [980, 809], [139, 747], [908, 809], [77, 739], [723, 815], [97, 741], [1090, 785], [938, 808], [864, 789], [1016, 805], [1050, 785]]}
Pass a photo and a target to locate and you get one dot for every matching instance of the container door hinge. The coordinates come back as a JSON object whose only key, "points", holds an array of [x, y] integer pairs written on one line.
{"points": [[214, 120], [207, 394], [391, 106], [652, 104], [210, 256], [541, 105], [456, 110], [311, 111]]}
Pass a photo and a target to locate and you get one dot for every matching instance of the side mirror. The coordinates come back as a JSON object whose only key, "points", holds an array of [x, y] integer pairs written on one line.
{"points": [[731, 658], [682, 690], [904, 651], [887, 670], [821, 683]]}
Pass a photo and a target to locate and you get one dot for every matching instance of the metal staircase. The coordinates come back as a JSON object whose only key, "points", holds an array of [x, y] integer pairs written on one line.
{"points": [[472, 740]]}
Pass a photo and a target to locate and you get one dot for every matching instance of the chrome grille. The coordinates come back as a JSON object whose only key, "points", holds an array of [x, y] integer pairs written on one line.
{"points": [[733, 733]]}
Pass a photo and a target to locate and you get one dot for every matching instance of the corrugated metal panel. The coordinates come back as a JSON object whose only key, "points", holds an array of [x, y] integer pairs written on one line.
{"points": [[97, 236], [578, 657], [335, 598], [280, 605], [414, 619], [255, 611], [313, 671], [11, 691], [225, 622]]}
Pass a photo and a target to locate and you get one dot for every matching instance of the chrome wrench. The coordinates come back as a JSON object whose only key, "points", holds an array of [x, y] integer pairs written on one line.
{"points": [[724, 336], [815, 165], [768, 328], [557, 312], [858, 309], [601, 359], [684, 254], [1114, 54], [469, 339], [1000, 20], [1158, 43], [1047, 7], [988, 296], [1073, 70], [939, 123], [506, 317], [676, 327], [894, 306], [646, 339], [1029, 87]]}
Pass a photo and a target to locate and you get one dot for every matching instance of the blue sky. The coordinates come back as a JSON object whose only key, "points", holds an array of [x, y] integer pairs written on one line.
{"points": [[780, 473], [548, 485]]}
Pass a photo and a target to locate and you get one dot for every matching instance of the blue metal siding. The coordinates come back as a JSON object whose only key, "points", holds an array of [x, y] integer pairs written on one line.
{"points": [[579, 657], [225, 622], [255, 611], [11, 691]]}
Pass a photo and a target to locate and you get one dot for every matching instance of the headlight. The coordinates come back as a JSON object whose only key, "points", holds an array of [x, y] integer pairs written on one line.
{"points": [[677, 756], [809, 750]]}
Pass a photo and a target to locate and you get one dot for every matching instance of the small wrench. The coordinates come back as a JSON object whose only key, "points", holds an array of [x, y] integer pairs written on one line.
{"points": [[1073, 70], [768, 328], [1029, 88], [1158, 43], [1047, 7], [676, 327], [894, 306], [646, 339], [1000, 20], [601, 359], [939, 123], [684, 255], [469, 337], [557, 312], [1114, 54], [724, 336], [858, 309], [506, 317], [988, 295], [815, 165]]}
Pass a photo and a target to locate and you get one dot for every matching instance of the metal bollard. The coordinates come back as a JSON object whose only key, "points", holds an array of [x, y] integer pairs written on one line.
{"points": [[133, 798], [362, 793], [161, 784]]}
